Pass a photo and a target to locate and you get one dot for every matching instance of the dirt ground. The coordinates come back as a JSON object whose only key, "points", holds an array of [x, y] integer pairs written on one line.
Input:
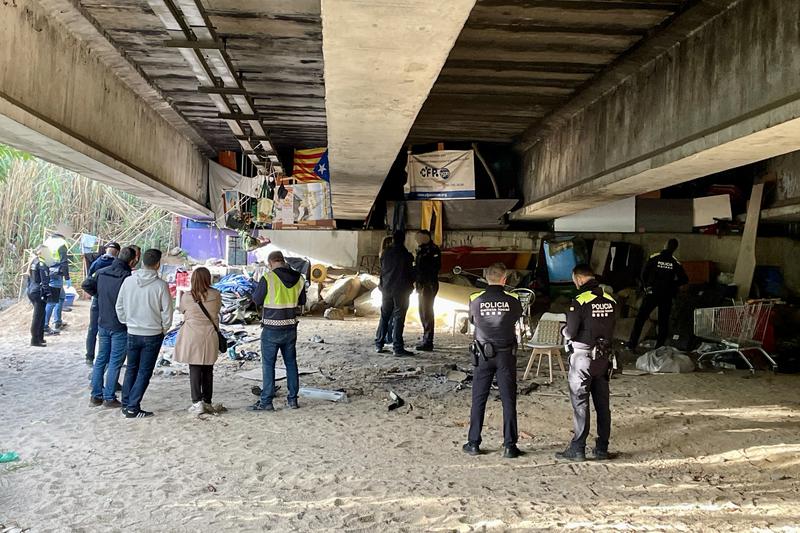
{"points": [[697, 452]]}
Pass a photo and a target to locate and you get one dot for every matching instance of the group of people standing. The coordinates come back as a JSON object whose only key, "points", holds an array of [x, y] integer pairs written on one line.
{"points": [[48, 274], [401, 273]]}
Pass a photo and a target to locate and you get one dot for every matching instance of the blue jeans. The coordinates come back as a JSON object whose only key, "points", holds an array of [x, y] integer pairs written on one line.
{"points": [[108, 362], [91, 334], [53, 307], [142, 356], [273, 340]]}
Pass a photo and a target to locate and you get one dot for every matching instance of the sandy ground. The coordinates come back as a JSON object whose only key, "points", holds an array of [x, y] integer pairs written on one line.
{"points": [[698, 452]]}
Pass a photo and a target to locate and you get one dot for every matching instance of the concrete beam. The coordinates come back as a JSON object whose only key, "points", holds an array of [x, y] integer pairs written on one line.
{"points": [[381, 60], [60, 100], [700, 106]]}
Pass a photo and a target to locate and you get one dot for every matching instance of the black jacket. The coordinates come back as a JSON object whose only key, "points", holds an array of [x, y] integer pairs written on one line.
{"points": [[495, 313], [662, 274], [428, 264], [108, 282], [592, 314], [397, 271], [38, 280], [279, 318]]}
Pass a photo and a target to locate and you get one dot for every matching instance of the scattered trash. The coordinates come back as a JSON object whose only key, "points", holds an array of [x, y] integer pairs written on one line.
{"points": [[9, 457], [343, 292], [396, 373], [322, 394], [171, 337], [211, 488], [368, 304], [334, 314], [397, 401], [709, 347], [665, 360], [317, 339], [256, 390], [164, 362], [529, 388]]}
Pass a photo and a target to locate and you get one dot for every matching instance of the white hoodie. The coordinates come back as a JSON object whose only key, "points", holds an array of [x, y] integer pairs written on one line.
{"points": [[144, 303]]}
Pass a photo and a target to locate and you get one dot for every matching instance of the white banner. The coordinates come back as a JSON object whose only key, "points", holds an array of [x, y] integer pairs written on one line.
{"points": [[441, 175]]}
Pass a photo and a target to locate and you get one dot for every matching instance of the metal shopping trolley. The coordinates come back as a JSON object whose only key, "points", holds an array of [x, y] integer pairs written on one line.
{"points": [[739, 328]]}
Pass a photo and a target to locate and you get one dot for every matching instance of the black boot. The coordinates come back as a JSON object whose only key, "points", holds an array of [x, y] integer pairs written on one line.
{"points": [[471, 449], [571, 454], [38, 343]]}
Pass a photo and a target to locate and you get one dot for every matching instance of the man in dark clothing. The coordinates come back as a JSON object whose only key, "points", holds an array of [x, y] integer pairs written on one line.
{"points": [[662, 276], [427, 265], [105, 285], [495, 313], [105, 260], [589, 330], [396, 284], [38, 291], [281, 291]]}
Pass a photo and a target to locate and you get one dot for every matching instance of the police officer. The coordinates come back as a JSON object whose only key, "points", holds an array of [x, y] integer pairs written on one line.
{"points": [[494, 312], [56, 256], [281, 291], [396, 284], [428, 264], [38, 291], [589, 330], [662, 275]]}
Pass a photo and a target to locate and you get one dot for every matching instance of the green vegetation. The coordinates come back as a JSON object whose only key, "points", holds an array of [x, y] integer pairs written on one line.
{"points": [[37, 195]]}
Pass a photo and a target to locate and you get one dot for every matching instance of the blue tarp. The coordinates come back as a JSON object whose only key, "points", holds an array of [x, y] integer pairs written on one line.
{"points": [[238, 283]]}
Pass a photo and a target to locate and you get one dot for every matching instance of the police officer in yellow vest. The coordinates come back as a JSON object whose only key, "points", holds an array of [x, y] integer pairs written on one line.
{"points": [[281, 291], [56, 257], [589, 330]]}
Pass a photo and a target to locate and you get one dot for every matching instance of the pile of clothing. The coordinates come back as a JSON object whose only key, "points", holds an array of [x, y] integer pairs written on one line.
{"points": [[237, 299]]}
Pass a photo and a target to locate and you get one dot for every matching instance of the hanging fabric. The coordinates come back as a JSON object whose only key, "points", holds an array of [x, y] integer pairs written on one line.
{"points": [[432, 219]]}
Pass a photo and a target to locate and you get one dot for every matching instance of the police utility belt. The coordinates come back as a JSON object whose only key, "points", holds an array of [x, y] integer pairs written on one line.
{"points": [[487, 350]]}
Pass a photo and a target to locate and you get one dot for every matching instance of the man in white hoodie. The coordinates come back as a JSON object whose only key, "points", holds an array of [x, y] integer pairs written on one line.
{"points": [[145, 306]]}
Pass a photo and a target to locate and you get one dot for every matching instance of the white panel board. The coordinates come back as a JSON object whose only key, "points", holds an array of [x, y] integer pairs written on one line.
{"points": [[707, 208], [616, 217]]}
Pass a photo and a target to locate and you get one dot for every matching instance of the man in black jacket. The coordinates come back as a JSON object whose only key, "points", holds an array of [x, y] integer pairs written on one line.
{"points": [[397, 284], [113, 334], [589, 330], [662, 276], [427, 265], [38, 292]]}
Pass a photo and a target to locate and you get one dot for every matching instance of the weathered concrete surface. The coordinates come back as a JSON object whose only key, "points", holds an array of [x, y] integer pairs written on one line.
{"points": [[725, 96], [516, 62], [60, 101], [381, 60], [785, 206]]}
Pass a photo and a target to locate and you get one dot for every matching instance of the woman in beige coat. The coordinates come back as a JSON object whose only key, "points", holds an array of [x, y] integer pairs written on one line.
{"points": [[197, 343]]}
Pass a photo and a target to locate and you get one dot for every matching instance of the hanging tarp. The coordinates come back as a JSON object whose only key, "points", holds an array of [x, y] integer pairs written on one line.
{"points": [[225, 188], [441, 175]]}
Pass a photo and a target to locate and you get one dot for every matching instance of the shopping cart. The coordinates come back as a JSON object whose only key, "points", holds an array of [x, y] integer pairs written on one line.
{"points": [[525, 323], [739, 328]]}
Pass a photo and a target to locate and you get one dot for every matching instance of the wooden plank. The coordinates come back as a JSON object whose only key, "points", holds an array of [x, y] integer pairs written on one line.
{"points": [[746, 262]]}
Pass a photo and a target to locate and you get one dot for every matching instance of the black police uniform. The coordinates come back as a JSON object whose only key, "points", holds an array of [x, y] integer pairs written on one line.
{"points": [[396, 284], [662, 275], [591, 315], [428, 265], [495, 313], [38, 293]]}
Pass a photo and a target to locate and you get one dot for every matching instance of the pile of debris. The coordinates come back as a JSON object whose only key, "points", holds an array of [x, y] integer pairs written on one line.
{"points": [[237, 299]]}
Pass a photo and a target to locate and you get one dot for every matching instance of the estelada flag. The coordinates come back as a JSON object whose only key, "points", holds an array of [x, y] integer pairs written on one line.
{"points": [[310, 165]]}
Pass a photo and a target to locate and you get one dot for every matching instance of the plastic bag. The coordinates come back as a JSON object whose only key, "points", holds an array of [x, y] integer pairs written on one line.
{"points": [[665, 360]]}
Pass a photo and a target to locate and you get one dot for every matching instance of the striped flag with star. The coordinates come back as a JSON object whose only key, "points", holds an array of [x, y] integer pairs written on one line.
{"points": [[311, 165]]}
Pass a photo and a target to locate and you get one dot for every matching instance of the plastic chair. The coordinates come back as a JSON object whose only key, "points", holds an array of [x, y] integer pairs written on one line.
{"points": [[547, 341]]}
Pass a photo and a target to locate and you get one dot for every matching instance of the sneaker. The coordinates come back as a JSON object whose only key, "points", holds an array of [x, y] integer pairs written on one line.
{"points": [[292, 404], [379, 349], [60, 325], [258, 407], [402, 352], [571, 455], [50, 332], [424, 347], [600, 455], [512, 452], [198, 408], [95, 402], [471, 449], [112, 404], [141, 413]]}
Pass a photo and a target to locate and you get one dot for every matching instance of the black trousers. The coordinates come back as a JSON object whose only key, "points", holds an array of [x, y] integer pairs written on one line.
{"points": [[664, 304], [589, 378], [504, 366], [37, 321], [427, 295], [201, 380], [393, 315]]}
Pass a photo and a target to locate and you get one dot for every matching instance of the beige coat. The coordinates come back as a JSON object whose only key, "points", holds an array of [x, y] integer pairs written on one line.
{"points": [[197, 341]]}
